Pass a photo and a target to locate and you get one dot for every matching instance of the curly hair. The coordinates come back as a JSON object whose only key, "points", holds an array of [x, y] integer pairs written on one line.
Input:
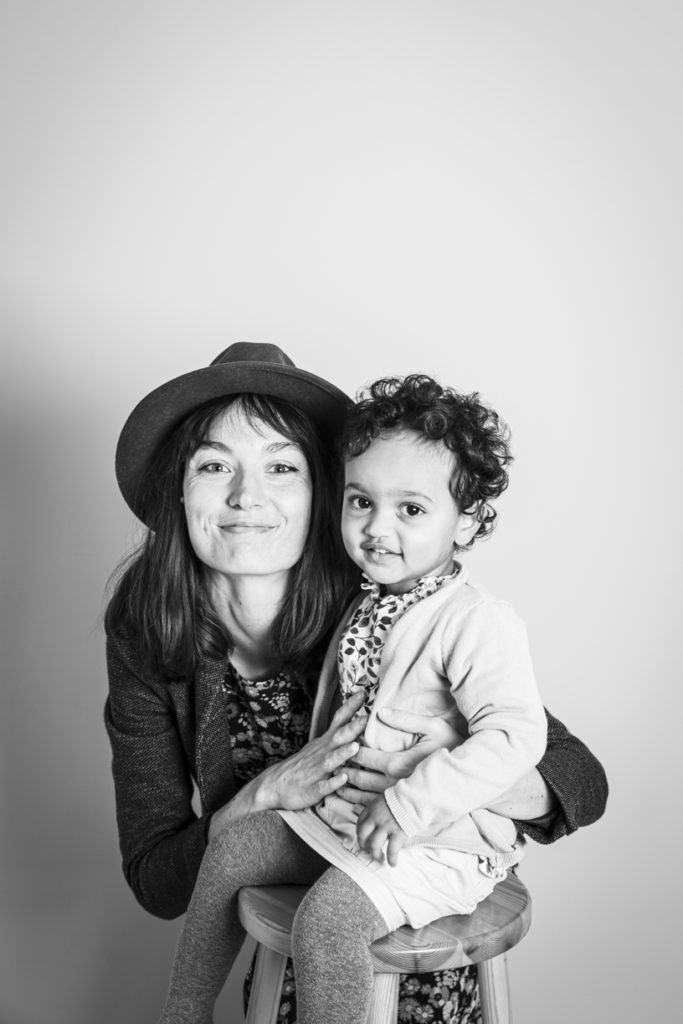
{"points": [[475, 434]]}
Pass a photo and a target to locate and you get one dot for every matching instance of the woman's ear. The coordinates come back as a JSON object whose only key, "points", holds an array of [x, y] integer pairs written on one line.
{"points": [[465, 530]]}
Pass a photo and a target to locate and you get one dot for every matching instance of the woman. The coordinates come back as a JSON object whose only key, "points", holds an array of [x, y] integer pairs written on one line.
{"points": [[217, 627]]}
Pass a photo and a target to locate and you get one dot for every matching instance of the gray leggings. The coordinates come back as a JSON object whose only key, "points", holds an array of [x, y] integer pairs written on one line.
{"points": [[332, 932]]}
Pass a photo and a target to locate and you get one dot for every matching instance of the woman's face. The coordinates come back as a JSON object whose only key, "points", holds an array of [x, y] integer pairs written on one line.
{"points": [[247, 492]]}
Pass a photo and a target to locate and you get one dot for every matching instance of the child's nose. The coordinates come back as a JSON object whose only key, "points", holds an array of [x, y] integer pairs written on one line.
{"points": [[378, 525]]}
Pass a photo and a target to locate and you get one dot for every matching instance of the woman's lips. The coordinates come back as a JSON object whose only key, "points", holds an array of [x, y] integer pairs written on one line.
{"points": [[246, 527]]}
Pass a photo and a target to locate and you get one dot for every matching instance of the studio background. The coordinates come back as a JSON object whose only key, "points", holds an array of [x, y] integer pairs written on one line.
{"points": [[489, 192]]}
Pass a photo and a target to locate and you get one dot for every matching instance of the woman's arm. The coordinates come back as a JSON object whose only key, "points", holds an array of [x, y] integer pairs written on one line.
{"points": [[577, 782], [530, 798], [567, 790], [162, 838]]}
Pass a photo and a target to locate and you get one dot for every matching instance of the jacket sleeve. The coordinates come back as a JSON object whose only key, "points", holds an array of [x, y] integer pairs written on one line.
{"points": [[161, 838], [576, 779]]}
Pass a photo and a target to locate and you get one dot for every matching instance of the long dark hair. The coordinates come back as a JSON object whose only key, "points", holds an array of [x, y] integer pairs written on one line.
{"points": [[161, 599]]}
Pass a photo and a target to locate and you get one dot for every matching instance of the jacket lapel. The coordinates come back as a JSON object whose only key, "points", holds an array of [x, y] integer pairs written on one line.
{"points": [[215, 776]]}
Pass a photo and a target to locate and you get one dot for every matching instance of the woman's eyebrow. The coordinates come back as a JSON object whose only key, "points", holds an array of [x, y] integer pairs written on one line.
{"points": [[216, 445], [275, 446]]}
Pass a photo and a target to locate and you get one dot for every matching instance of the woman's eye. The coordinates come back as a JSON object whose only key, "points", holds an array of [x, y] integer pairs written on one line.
{"points": [[284, 467], [412, 510], [213, 467]]}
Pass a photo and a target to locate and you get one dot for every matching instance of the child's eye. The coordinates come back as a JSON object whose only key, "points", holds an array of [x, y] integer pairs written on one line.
{"points": [[358, 501], [412, 510]]}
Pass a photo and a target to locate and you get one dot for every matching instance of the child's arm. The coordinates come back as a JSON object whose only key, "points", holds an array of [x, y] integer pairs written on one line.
{"points": [[487, 663]]}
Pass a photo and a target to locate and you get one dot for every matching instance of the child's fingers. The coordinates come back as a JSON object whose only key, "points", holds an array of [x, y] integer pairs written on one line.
{"points": [[376, 844], [394, 846], [371, 838]]}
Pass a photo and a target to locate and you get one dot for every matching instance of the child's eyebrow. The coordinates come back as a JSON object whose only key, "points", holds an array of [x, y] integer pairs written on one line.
{"points": [[415, 494], [352, 486]]}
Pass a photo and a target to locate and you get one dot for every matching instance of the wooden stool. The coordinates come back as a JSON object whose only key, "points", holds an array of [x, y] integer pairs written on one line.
{"points": [[482, 938]]}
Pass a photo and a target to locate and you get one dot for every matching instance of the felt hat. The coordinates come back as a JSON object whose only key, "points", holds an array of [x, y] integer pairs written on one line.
{"points": [[243, 367]]}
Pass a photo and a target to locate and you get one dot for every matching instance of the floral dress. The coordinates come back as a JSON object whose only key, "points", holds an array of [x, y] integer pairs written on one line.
{"points": [[269, 720]]}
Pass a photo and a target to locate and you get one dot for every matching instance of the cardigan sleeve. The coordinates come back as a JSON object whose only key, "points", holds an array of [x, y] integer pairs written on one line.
{"points": [[487, 665], [162, 839], [577, 780]]}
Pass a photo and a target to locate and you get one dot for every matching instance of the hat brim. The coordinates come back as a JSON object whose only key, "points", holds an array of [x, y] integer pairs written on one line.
{"points": [[164, 408]]}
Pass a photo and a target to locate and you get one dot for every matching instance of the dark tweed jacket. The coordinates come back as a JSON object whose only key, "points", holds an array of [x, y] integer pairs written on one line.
{"points": [[172, 738]]}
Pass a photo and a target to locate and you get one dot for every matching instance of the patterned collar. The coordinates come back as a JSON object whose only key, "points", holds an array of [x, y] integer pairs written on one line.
{"points": [[425, 586]]}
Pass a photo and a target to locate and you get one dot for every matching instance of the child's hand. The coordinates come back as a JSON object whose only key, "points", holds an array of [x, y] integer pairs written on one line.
{"points": [[376, 825]]}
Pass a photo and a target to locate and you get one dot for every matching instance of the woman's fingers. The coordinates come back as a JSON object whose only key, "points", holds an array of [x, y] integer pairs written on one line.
{"points": [[339, 756], [334, 784], [355, 796], [432, 727], [369, 782], [374, 760], [346, 712]]}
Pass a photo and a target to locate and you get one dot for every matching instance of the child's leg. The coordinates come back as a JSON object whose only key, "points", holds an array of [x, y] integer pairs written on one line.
{"points": [[258, 850], [331, 937]]}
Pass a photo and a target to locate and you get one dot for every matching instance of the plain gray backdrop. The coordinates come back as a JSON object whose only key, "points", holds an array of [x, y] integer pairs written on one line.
{"points": [[487, 191]]}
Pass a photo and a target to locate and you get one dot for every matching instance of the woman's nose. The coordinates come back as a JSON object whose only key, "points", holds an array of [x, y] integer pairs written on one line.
{"points": [[245, 491]]}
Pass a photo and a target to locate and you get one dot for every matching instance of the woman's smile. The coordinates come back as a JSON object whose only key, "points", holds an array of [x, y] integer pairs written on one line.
{"points": [[246, 527]]}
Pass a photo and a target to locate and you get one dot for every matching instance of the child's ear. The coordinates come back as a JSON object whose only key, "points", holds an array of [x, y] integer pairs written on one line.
{"points": [[465, 530]]}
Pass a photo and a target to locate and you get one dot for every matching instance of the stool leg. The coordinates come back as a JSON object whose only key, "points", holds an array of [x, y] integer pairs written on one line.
{"points": [[384, 1005], [494, 991], [266, 987]]}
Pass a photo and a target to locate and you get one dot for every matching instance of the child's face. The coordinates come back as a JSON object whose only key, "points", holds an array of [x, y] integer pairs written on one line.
{"points": [[399, 519]]}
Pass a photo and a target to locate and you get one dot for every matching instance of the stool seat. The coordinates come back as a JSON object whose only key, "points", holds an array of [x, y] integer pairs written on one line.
{"points": [[498, 923]]}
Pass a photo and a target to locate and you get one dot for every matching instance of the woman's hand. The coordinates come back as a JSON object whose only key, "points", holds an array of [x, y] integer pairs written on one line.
{"points": [[373, 771], [303, 779], [316, 770]]}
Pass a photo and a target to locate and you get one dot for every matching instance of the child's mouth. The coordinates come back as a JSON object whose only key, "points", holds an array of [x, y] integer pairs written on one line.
{"points": [[380, 554]]}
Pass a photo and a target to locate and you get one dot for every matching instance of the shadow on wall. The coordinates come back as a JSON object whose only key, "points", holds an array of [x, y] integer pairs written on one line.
{"points": [[75, 945]]}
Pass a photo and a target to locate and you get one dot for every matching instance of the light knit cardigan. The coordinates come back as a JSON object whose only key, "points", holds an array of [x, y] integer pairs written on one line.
{"points": [[461, 654]]}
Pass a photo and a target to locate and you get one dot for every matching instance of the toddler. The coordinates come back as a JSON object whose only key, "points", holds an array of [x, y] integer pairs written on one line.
{"points": [[422, 464]]}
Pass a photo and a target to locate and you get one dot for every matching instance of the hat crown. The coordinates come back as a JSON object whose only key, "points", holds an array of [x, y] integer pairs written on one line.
{"points": [[252, 352]]}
